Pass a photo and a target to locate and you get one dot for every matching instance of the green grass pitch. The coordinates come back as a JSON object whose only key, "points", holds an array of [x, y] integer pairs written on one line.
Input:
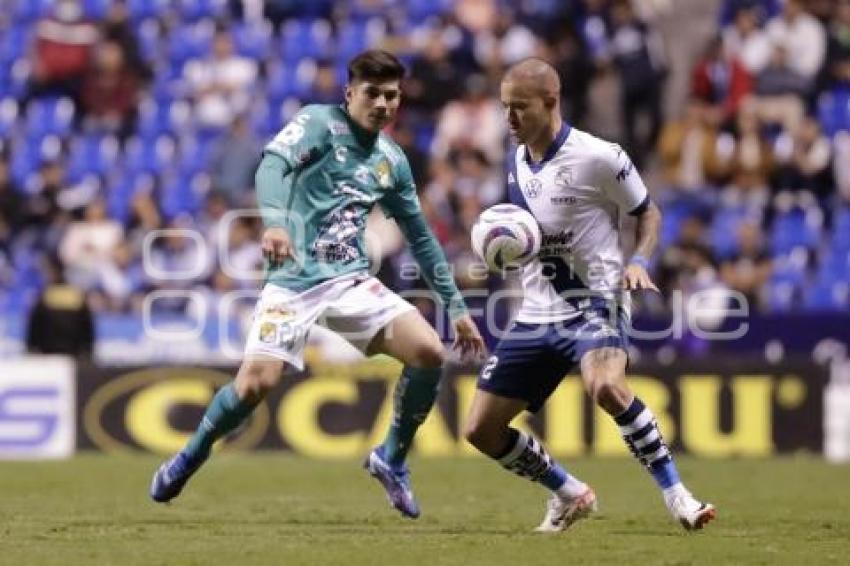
{"points": [[273, 509]]}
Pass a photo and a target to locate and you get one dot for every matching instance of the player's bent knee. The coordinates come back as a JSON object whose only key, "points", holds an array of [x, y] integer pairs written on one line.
{"points": [[256, 378], [481, 436], [611, 395], [429, 355]]}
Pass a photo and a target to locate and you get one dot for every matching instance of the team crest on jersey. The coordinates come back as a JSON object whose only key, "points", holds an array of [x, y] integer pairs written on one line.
{"points": [[338, 128], [268, 333], [533, 188], [278, 313], [564, 177], [382, 171], [511, 178]]}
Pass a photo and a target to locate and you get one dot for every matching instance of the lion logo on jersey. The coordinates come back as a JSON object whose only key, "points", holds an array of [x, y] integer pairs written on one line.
{"points": [[382, 172]]}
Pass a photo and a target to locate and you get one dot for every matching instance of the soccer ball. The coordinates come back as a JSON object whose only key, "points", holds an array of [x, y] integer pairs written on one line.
{"points": [[506, 237]]}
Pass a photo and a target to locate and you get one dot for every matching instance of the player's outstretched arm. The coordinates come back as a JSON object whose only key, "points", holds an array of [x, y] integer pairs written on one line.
{"points": [[272, 200], [635, 275], [438, 274]]}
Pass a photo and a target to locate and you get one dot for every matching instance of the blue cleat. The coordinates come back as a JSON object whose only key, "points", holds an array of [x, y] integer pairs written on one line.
{"points": [[396, 482], [172, 475]]}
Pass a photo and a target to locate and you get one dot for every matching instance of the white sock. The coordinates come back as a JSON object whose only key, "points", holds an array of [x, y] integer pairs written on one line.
{"points": [[673, 490], [571, 489]]}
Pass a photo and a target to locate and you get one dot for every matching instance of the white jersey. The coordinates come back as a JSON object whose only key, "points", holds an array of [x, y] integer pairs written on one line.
{"points": [[577, 193]]}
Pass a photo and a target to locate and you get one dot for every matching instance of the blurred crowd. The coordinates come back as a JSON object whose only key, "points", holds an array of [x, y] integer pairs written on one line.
{"points": [[123, 117]]}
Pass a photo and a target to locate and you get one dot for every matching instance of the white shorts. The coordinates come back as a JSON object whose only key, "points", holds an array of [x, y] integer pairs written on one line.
{"points": [[354, 306]]}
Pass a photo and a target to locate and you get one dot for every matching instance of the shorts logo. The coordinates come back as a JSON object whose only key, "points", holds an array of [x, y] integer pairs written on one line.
{"points": [[268, 333], [533, 188]]}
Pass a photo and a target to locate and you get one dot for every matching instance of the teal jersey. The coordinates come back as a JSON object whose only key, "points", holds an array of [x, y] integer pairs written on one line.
{"points": [[335, 172]]}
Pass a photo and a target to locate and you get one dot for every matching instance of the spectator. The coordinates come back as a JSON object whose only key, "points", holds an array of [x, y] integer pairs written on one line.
{"points": [[750, 267], [779, 93], [721, 82], [433, 78], [11, 204], [837, 66], [506, 43], [60, 322], [122, 282], [688, 150], [638, 55], [746, 40], [145, 217], [569, 54], [41, 208], [475, 122], [802, 37], [325, 88], [117, 27], [749, 160], [804, 160], [63, 45], [220, 84], [475, 178], [89, 245], [234, 160], [110, 93]]}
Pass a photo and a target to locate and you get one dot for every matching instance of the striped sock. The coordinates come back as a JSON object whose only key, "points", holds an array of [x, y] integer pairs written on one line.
{"points": [[525, 456], [640, 431]]}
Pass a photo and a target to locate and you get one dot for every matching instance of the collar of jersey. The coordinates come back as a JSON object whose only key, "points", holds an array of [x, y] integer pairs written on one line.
{"points": [[364, 136], [553, 148]]}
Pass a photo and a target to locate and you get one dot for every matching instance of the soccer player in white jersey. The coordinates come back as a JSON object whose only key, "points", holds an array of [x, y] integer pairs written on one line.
{"points": [[575, 301]]}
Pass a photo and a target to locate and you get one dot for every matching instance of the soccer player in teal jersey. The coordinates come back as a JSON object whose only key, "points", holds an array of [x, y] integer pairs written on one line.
{"points": [[317, 182]]}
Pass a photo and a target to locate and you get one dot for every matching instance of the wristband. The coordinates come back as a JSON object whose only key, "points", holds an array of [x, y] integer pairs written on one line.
{"points": [[640, 260]]}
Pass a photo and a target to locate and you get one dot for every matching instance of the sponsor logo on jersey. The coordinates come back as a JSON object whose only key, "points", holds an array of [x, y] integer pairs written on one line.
{"points": [[338, 128], [533, 188], [564, 200]]}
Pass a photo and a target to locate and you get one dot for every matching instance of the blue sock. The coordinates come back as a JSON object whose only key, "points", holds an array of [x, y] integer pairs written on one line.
{"points": [[525, 456], [414, 396], [640, 431], [224, 413]]}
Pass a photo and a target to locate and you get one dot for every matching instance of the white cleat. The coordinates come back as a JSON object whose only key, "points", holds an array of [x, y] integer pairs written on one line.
{"points": [[692, 514], [561, 514]]}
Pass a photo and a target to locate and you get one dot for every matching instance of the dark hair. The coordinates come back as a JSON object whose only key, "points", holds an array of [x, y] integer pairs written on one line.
{"points": [[375, 65]]}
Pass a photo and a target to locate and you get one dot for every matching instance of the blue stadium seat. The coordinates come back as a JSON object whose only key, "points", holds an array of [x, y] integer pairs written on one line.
{"points": [[826, 295], [50, 116], [8, 117], [27, 11], [834, 111], [144, 9], [782, 296], [193, 41], [792, 229], [144, 156], [14, 42], [305, 38], [194, 10], [92, 154], [724, 231], [252, 40], [95, 9], [180, 195], [420, 10]]}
